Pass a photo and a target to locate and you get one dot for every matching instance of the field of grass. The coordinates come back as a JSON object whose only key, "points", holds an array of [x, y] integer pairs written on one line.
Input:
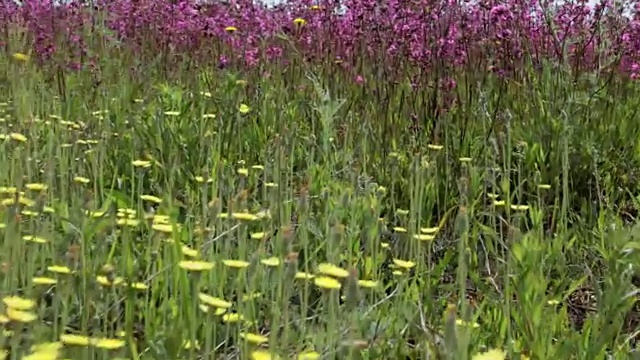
{"points": [[166, 210]]}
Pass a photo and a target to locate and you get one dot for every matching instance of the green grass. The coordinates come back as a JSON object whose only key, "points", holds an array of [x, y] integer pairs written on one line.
{"points": [[530, 190]]}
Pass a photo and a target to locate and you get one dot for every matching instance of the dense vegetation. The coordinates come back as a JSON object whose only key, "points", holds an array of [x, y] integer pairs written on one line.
{"points": [[364, 180]]}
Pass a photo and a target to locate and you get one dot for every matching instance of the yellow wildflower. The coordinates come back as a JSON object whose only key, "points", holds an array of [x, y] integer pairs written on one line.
{"points": [[332, 270], [326, 282], [165, 228], [243, 171], [105, 281], [18, 137], [42, 355], [236, 264], [244, 109], [128, 222], [44, 281], [139, 286], [34, 239], [187, 344], [461, 322], [304, 275], [404, 264], [254, 338], [244, 216], [493, 354], [187, 251], [18, 303], [36, 187], [81, 180], [424, 237], [429, 230], [272, 261], [141, 163], [59, 269], [309, 355], [232, 318], [196, 265], [151, 198], [47, 347], [78, 340], [21, 57], [218, 311], [201, 179], [251, 296], [262, 355], [106, 343], [8, 190], [29, 213], [20, 316], [367, 283], [214, 301]]}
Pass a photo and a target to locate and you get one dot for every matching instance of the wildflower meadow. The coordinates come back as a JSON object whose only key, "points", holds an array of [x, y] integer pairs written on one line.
{"points": [[355, 179]]}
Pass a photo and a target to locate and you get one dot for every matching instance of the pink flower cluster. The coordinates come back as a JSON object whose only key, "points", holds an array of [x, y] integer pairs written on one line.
{"points": [[398, 35]]}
